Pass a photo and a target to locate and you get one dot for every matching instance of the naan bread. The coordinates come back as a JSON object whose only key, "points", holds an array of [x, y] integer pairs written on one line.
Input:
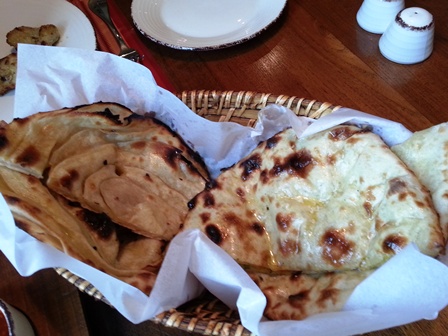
{"points": [[101, 184], [426, 154], [335, 201], [311, 218]]}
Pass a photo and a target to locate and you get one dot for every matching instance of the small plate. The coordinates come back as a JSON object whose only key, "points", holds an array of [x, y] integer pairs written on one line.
{"points": [[203, 25], [76, 30]]}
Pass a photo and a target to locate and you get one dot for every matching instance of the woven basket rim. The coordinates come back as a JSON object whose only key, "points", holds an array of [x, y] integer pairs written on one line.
{"points": [[243, 106], [207, 315]]}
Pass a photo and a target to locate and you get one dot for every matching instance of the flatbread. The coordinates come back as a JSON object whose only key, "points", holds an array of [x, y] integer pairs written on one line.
{"points": [[75, 148], [91, 238], [101, 184], [426, 154], [338, 200]]}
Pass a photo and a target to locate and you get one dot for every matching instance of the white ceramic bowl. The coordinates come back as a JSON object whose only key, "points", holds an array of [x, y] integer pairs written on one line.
{"points": [[409, 39], [376, 15], [13, 322]]}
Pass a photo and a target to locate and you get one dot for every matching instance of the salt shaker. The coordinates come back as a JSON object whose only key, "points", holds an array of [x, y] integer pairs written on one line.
{"points": [[376, 15], [409, 38]]}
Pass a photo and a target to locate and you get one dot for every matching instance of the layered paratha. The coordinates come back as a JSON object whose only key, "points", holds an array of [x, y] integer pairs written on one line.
{"points": [[100, 183], [89, 237]]}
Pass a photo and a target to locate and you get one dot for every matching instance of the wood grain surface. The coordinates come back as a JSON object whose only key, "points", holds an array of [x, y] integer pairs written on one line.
{"points": [[314, 50]]}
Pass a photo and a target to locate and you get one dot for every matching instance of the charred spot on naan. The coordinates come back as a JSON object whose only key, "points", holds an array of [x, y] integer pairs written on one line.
{"points": [[250, 166], [336, 248], [289, 247], [214, 233], [295, 295], [208, 199], [343, 133], [284, 221], [296, 164], [398, 187], [393, 243], [272, 142]]}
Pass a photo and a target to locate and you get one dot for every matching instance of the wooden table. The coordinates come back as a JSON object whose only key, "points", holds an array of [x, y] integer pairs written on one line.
{"points": [[315, 50]]}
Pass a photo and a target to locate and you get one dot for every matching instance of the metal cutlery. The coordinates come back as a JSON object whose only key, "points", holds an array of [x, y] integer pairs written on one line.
{"points": [[101, 9]]}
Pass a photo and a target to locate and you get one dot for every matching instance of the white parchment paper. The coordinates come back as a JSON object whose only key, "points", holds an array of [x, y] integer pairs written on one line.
{"points": [[409, 287]]}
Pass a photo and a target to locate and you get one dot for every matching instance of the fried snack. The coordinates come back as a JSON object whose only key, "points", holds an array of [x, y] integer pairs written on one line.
{"points": [[8, 69], [100, 183], [44, 35]]}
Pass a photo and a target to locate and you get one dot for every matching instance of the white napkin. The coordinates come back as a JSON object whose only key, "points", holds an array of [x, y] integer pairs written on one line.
{"points": [[52, 77]]}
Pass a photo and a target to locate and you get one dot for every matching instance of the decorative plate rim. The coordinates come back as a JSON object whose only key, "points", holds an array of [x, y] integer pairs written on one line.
{"points": [[210, 46]]}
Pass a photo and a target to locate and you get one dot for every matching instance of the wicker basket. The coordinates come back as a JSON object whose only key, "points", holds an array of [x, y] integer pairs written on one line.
{"points": [[207, 315]]}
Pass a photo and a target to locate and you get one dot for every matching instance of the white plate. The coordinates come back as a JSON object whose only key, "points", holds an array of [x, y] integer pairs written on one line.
{"points": [[76, 30], [199, 24]]}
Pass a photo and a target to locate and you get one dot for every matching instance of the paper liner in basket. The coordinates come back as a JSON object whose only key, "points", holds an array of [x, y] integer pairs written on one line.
{"points": [[50, 78]]}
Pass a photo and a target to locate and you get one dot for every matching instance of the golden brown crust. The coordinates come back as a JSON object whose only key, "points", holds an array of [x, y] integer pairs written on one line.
{"points": [[8, 70], [44, 35], [296, 296], [100, 183]]}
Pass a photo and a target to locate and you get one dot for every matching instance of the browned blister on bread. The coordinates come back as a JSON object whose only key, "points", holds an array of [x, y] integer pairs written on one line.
{"points": [[44, 35], [8, 70], [296, 296]]}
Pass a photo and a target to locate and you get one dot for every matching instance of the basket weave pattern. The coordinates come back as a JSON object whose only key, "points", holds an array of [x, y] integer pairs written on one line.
{"points": [[243, 107], [207, 315]]}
